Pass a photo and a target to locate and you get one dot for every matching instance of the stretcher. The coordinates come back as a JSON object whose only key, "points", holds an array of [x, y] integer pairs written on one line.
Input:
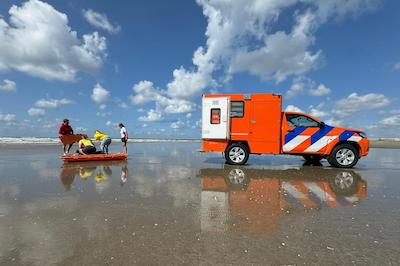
{"points": [[70, 139]]}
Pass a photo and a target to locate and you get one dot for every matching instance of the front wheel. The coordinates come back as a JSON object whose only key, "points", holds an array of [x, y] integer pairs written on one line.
{"points": [[343, 156], [237, 154]]}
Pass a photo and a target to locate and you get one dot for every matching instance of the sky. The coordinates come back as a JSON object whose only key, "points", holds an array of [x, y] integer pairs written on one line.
{"points": [[147, 63]]}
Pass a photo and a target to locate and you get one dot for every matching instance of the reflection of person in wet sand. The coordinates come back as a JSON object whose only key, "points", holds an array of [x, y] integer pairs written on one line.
{"points": [[101, 172], [86, 172], [124, 174], [67, 177]]}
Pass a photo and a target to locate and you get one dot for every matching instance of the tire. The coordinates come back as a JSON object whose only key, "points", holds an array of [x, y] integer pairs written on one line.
{"points": [[237, 154], [344, 183], [343, 156]]}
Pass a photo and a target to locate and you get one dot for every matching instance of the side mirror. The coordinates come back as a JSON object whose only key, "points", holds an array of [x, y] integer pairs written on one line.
{"points": [[321, 125]]}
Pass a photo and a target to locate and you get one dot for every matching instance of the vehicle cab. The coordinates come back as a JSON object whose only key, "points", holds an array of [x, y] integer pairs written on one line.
{"points": [[305, 135]]}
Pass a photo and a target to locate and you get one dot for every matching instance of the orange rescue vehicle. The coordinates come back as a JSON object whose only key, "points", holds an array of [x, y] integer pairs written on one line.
{"points": [[242, 124]]}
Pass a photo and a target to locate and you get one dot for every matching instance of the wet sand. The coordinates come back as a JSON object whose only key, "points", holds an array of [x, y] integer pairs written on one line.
{"points": [[170, 205], [387, 144]]}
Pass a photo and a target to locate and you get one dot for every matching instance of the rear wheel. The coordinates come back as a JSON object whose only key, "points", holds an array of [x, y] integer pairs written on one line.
{"points": [[237, 179], [237, 154], [343, 156]]}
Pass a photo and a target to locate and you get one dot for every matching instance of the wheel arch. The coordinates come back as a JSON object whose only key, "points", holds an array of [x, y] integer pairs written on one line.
{"points": [[244, 142]]}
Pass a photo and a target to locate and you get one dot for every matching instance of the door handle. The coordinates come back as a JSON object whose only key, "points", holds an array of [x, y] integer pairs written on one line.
{"points": [[253, 121]]}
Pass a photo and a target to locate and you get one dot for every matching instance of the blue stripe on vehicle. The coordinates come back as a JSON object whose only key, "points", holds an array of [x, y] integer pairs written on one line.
{"points": [[320, 133], [293, 201], [291, 135], [346, 135]]}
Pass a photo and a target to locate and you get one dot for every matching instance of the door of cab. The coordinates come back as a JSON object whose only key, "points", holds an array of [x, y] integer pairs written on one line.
{"points": [[302, 134]]}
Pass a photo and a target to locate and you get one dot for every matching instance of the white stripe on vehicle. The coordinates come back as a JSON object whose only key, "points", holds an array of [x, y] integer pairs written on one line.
{"points": [[319, 144], [352, 199], [294, 143], [289, 188], [354, 138], [322, 194]]}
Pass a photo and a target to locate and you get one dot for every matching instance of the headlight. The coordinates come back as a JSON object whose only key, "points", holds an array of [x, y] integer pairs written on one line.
{"points": [[362, 134]]}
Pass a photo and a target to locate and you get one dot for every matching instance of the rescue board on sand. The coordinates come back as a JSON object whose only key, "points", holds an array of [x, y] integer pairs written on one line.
{"points": [[70, 139], [94, 157]]}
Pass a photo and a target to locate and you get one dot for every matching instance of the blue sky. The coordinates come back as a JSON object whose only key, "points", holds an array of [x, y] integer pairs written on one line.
{"points": [[147, 64]]}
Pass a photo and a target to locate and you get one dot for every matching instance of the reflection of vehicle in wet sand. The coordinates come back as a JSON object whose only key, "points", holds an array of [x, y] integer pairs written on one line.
{"points": [[101, 171], [255, 200]]}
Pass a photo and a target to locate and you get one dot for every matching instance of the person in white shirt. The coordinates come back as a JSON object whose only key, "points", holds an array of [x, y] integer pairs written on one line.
{"points": [[124, 137]]}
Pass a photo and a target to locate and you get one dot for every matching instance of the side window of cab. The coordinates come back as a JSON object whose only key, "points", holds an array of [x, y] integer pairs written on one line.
{"points": [[296, 120]]}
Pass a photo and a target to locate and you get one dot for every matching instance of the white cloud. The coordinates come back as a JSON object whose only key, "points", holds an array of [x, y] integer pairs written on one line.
{"points": [[335, 122], [121, 104], [355, 103], [394, 111], [108, 123], [318, 113], [390, 121], [8, 85], [396, 66], [100, 21], [282, 54], [152, 116], [36, 112], [301, 85], [52, 103], [8, 117], [240, 38], [177, 125], [187, 84], [321, 90], [103, 114], [234, 26], [189, 115], [298, 86], [99, 94], [293, 108], [38, 41], [146, 92], [102, 106]]}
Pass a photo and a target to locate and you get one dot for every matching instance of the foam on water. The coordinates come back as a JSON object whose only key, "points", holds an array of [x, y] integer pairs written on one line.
{"points": [[35, 140]]}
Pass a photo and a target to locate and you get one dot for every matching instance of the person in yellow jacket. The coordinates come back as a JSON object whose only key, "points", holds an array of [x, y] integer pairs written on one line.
{"points": [[104, 139], [86, 146]]}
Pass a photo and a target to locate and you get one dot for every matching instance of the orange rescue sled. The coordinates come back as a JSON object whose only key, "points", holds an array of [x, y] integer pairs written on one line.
{"points": [[70, 139], [94, 157]]}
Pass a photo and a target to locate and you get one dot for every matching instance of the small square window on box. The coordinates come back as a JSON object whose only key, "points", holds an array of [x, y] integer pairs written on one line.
{"points": [[215, 116]]}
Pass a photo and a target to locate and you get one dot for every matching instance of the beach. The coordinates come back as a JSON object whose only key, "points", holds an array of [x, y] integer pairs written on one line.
{"points": [[169, 204]]}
